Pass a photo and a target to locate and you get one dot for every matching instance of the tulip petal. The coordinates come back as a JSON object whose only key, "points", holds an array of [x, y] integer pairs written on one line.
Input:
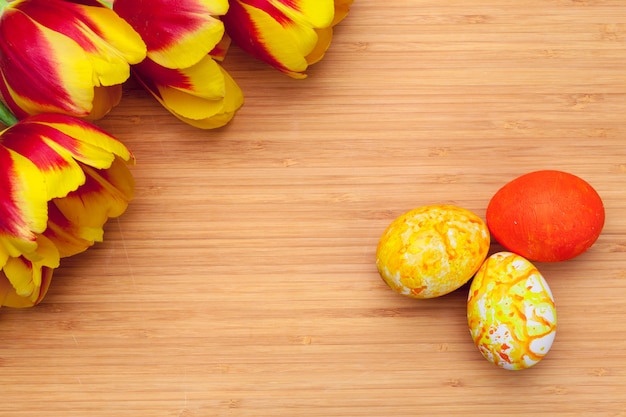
{"points": [[105, 194], [9, 297], [61, 173], [110, 42], [28, 279], [232, 101], [177, 37], [203, 79], [342, 7], [325, 37], [85, 142], [22, 205], [69, 238], [203, 95], [314, 13], [104, 99], [218, 53], [42, 70]]}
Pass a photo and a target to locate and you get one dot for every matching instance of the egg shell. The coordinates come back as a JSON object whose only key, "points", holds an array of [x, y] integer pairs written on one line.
{"points": [[511, 312], [432, 250], [546, 216]]}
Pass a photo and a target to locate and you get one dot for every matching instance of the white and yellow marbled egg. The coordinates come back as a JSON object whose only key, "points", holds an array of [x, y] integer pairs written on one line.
{"points": [[432, 250], [511, 312]]}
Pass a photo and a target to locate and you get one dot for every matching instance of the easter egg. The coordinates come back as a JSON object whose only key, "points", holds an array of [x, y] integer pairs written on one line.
{"points": [[546, 216], [510, 312], [432, 250]]}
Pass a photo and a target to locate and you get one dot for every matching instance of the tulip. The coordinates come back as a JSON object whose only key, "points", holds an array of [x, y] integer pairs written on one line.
{"points": [[64, 57], [185, 39], [61, 179], [289, 35]]}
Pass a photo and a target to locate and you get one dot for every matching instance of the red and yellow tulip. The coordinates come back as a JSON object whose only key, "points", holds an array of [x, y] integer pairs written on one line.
{"points": [[184, 39], [64, 57], [289, 35], [61, 179]]}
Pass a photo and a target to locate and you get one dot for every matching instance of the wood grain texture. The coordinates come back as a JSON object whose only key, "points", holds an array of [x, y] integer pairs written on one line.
{"points": [[242, 280]]}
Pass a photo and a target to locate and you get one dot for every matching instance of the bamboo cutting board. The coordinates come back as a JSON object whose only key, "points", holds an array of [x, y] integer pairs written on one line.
{"points": [[242, 279]]}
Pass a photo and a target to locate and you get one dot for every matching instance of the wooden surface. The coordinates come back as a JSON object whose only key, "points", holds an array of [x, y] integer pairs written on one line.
{"points": [[242, 282]]}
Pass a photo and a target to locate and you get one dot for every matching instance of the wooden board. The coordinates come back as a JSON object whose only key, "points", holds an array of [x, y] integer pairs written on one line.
{"points": [[242, 282]]}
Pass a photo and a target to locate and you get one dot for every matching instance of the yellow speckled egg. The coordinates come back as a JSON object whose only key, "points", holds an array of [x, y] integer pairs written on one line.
{"points": [[432, 250], [510, 312]]}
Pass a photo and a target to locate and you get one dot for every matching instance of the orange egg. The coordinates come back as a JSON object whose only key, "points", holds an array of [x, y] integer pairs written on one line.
{"points": [[432, 250], [546, 216]]}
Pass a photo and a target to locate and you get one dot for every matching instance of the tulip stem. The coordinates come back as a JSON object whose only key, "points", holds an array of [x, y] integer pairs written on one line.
{"points": [[6, 117]]}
